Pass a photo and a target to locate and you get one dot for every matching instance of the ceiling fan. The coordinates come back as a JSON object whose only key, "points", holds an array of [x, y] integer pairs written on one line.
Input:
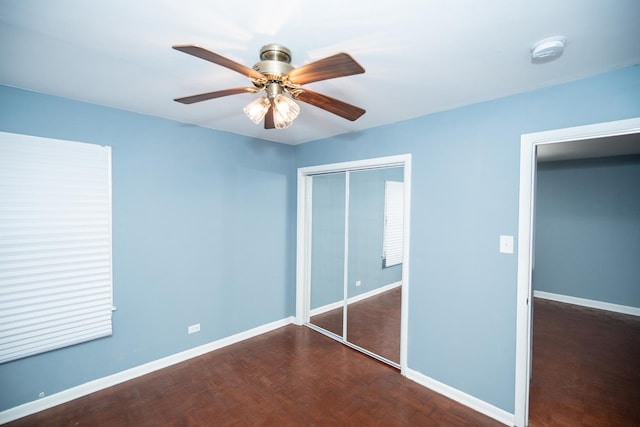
{"points": [[275, 75]]}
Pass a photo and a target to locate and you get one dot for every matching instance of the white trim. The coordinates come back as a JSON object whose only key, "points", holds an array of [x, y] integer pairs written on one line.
{"points": [[523, 291], [129, 374], [325, 308], [528, 144], [338, 304], [374, 292], [404, 313], [303, 256], [388, 161], [345, 259], [462, 397], [303, 260], [600, 305]]}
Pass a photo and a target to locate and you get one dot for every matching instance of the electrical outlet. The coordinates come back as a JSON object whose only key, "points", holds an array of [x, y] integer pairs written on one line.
{"points": [[194, 328], [358, 282]]}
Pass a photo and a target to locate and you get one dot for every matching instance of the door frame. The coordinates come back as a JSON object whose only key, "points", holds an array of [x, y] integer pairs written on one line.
{"points": [[303, 251], [524, 297]]}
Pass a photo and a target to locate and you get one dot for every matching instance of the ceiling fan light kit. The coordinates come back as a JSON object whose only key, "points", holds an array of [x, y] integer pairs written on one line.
{"points": [[285, 111], [257, 109], [282, 83]]}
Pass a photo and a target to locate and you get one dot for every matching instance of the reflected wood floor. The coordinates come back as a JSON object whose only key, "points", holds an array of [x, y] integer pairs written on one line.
{"points": [[292, 376], [372, 323], [586, 367], [329, 321]]}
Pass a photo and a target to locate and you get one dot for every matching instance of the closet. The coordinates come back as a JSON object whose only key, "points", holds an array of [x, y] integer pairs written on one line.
{"points": [[354, 245]]}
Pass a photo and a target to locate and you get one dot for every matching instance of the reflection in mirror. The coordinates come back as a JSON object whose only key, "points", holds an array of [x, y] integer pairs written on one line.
{"points": [[375, 261], [327, 252]]}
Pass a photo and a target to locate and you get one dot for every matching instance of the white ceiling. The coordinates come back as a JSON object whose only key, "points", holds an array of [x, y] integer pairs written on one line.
{"points": [[420, 56]]}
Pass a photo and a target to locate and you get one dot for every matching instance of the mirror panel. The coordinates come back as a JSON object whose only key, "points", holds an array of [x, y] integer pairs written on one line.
{"points": [[373, 288], [328, 251]]}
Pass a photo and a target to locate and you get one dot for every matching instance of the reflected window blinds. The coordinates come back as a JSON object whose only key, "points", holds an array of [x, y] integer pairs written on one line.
{"points": [[393, 223], [55, 244]]}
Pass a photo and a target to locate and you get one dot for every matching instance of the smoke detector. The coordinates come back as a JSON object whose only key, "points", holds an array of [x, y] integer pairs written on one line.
{"points": [[548, 49]]}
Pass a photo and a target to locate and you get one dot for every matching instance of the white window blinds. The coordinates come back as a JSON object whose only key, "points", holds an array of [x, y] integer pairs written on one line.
{"points": [[393, 223], [55, 244]]}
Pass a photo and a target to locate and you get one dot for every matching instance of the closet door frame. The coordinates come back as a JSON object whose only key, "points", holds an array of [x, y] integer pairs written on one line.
{"points": [[303, 256]]}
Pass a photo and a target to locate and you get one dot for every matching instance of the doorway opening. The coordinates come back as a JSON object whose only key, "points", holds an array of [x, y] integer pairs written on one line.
{"points": [[599, 140]]}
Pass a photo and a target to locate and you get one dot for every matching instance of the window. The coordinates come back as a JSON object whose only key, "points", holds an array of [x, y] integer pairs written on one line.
{"points": [[392, 252], [55, 244]]}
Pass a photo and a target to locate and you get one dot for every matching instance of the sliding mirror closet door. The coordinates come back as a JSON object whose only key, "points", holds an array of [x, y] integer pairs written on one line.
{"points": [[374, 276], [356, 258], [328, 225]]}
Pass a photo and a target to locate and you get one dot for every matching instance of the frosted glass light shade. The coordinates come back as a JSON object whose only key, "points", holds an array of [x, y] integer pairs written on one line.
{"points": [[285, 111], [257, 109]]}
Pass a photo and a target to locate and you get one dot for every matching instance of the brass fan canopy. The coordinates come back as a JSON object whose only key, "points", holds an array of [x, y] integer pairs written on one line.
{"points": [[275, 52], [275, 60]]}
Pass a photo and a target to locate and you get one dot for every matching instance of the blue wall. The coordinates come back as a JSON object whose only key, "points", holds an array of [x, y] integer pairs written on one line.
{"points": [[462, 291], [194, 207], [203, 232], [588, 229]]}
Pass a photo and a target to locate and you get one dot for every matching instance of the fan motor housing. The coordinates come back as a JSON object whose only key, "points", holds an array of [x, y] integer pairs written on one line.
{"points": [[275, 52], [275, 60], [272, 67]]}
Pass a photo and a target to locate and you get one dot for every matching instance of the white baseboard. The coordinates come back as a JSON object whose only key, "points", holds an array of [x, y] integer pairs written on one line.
{"points": [[129, 374], [617, 308], [325, 308], [462, 397], [338, 304]]}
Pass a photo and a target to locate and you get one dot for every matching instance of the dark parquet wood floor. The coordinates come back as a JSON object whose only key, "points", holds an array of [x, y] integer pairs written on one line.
{"points": [[293, 376], [586, 367], [372, 323], [586, 372]]}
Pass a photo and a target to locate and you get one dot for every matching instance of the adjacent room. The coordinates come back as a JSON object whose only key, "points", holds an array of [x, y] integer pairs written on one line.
{"points": [[586, 350], [302, 213]]}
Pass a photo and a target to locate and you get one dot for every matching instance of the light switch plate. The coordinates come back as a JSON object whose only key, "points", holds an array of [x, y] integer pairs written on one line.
{"points": [[506, 244]]}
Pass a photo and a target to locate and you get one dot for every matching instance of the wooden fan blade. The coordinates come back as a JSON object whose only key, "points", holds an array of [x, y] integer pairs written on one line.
{"points": [[207, 55], [212, 95], [332, 105], [338, 65]]}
